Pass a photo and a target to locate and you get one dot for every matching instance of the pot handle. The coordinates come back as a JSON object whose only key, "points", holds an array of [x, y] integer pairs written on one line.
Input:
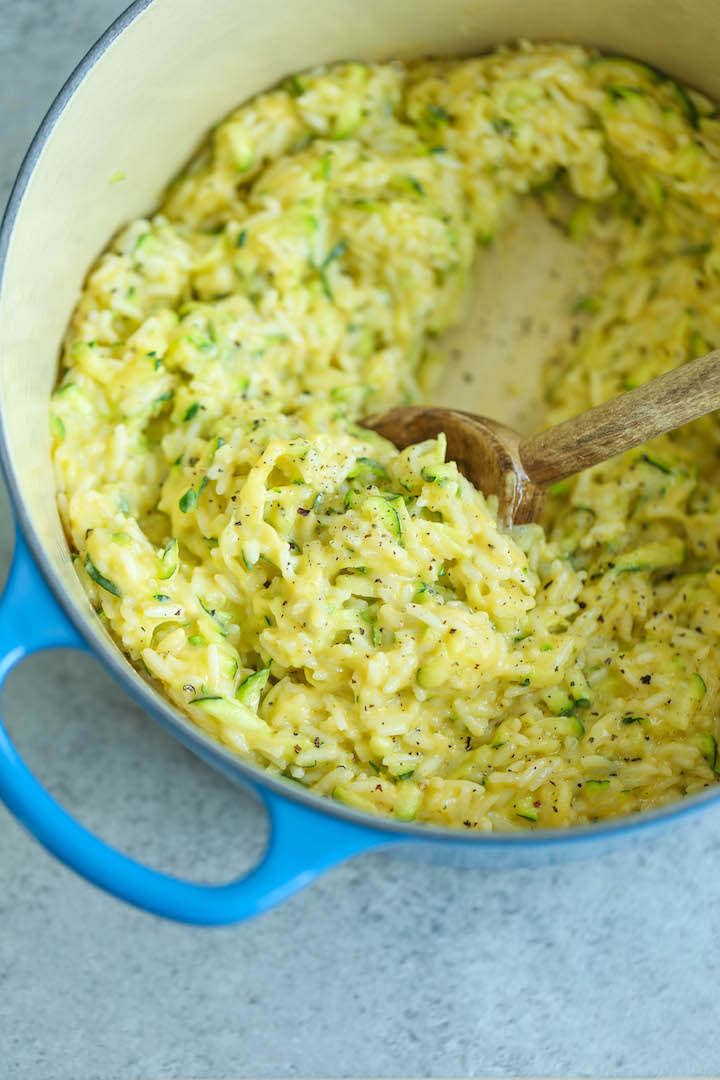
{"points": [[303, 842]]}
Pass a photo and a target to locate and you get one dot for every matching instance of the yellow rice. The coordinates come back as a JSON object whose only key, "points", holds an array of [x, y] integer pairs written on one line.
{"points": [[349, 616]]}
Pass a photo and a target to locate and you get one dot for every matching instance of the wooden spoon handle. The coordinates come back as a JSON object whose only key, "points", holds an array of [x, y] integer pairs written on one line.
{"points": [[629, 420]]}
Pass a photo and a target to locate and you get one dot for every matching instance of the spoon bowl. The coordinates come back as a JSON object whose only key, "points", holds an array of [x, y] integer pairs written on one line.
{"points": [[498, 461], [485, 451]]}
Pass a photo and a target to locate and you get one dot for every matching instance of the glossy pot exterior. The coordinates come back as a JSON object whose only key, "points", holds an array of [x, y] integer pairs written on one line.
{"points": [[127, 119]]}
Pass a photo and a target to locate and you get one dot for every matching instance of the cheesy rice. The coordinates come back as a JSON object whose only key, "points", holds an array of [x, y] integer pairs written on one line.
{"points": [[350, 616]]}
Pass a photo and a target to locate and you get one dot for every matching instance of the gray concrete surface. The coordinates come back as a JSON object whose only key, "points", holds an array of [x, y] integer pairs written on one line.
{"points": [[383, 968]]}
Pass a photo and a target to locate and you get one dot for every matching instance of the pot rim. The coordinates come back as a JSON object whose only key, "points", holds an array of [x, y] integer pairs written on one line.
{"points": [[171, 718]]}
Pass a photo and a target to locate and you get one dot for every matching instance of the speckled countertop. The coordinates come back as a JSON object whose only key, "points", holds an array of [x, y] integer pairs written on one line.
{"points": [[383, 968]]}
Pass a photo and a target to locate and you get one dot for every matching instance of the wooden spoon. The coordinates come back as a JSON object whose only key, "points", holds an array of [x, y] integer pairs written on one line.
{"points": [[519, 471]]}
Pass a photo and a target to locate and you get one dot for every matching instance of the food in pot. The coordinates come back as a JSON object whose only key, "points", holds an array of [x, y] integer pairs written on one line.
{"points": [[349, 616]]}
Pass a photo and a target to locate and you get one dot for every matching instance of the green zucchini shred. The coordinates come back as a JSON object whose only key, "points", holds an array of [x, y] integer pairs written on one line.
{"points": [[169, 560], [250, 690], [188, 501], [105, 583], [707, 745], [525, 809], [435, 115]]}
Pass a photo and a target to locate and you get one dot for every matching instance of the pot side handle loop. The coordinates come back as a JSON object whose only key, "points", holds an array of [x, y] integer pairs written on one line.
{"points": [[303, 841]]}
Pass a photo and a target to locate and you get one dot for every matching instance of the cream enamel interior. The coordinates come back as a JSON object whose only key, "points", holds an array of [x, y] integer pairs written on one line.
{"points": [[70, 207]]}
